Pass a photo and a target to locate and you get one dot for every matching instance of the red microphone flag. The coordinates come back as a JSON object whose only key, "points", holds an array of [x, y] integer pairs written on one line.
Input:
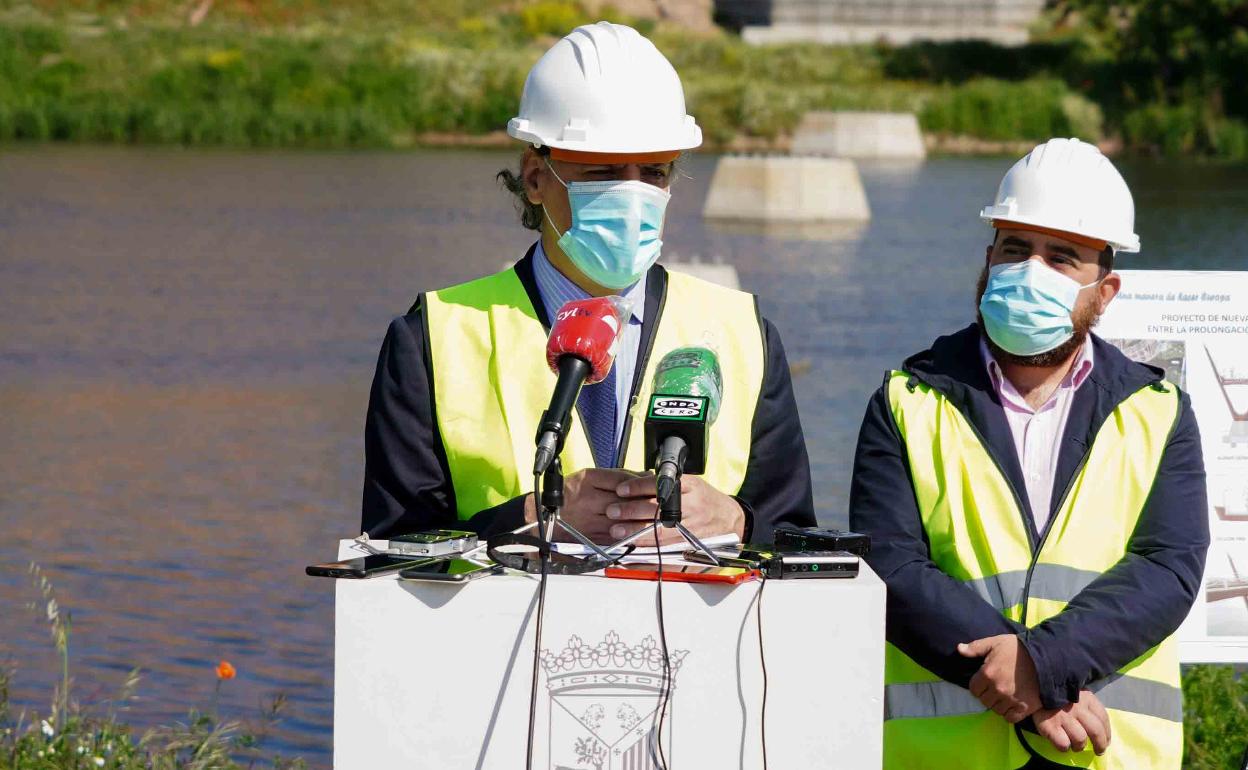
{"points": [[588, 329]]}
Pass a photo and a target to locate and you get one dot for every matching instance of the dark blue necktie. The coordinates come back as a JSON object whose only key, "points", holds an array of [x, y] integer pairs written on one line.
{"points": [[597, 406]]}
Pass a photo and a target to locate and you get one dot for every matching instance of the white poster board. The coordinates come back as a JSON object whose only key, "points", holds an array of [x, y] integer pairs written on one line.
{"points": [[1194, 324]]}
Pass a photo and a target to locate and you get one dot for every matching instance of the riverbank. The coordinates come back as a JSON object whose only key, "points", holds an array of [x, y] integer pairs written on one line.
{"points": [[111, 78], [387, 74], [934, 143]]}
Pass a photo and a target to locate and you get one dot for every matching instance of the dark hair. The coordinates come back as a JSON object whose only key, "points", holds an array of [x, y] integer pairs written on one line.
{"points": [[530, 212], [1106, 261]]}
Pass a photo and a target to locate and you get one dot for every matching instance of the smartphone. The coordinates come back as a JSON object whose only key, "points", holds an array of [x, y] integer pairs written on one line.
{"points": [[744, 556], [451, 570], [682, 573], [364, 566]]}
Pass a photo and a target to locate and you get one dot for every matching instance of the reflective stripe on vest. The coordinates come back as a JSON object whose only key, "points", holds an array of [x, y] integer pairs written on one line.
{"points": [[945, 699], [491, 383], [977, 534], [1048, 581]]}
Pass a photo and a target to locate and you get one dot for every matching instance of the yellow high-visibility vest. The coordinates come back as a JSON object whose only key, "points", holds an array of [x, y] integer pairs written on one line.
{"points": [[978, 535], [491, 383]]}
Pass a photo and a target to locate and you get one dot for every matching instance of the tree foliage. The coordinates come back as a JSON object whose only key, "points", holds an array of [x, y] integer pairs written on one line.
{"points": [[1171, 71]]}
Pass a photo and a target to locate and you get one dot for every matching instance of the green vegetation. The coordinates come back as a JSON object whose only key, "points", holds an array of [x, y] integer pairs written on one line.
{"points": [[1215, 727], [1162, 76], [87, 737], [386, 75], [1171, 72], [77, 737]]}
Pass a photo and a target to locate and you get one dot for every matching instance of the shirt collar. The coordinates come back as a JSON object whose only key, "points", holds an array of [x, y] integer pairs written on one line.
{"points": [[1079, 372], [556, 289]]}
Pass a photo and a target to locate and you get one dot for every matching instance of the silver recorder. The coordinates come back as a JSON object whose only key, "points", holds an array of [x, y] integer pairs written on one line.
{"points": [[437, 542]]}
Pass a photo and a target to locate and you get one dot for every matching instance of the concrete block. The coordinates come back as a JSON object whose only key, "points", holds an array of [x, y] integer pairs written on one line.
{"points": [[715, 272], [757, 188], [861, 135]]}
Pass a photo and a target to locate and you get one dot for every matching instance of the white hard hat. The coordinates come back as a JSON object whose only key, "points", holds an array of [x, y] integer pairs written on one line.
{"points": [[1068, 186], [605, 89]]}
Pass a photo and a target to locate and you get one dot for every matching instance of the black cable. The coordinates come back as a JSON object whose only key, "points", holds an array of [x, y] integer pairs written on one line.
{"points": [[541, 612], [762, 662], [665, 685]]}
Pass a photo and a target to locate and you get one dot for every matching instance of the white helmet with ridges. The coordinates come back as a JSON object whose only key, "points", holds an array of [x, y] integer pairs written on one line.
{"points": [[605, 89], [1068, 187]]}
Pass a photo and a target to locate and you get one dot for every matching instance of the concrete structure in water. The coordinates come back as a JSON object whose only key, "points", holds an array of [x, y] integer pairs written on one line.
{"points": [[715, 272], [860, 135], [772, 188], [895, 21]]}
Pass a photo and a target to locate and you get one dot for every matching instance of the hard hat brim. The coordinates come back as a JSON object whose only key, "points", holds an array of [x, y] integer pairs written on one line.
{"points": [[1087, 241], [992, 214], [613, 158]]}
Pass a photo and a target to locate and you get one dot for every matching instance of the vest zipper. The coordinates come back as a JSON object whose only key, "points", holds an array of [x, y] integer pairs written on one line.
{"points": [[1048, 527], [643, 360], [1061, 503]]}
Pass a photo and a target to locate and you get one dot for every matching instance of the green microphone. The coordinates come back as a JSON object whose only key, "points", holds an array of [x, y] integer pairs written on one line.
{"points": [[688, 388]]}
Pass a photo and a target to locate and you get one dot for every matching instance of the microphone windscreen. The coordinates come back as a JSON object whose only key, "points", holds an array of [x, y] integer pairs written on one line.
{"points": [[691, 371], [588, 329]]}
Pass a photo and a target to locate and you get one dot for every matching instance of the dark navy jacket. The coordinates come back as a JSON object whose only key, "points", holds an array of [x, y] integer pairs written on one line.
{"points": [[1126, 611], [407, 482]]}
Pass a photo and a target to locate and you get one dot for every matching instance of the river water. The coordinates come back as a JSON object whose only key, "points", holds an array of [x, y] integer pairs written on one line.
{"points": [[187, 340]]}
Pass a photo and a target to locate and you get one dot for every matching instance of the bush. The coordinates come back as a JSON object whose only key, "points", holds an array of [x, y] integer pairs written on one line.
{"points": [[962, 60], [1230, 139], [1215, 728], [552, 17], [998, 110]]}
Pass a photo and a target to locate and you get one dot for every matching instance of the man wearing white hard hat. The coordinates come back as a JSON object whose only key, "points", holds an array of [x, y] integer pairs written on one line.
{"points": [[1036, 503], [462, 379]]}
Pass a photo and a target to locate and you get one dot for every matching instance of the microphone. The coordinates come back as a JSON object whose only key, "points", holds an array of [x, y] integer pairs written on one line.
{"points": [[581, 349], [688, 388]]}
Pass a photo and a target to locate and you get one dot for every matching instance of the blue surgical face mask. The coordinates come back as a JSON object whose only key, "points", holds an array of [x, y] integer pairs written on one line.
{"points": [[614, 237], [1026, 307]]}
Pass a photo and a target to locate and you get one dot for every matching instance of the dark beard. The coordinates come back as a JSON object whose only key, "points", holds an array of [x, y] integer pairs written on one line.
{"points": [[1083, 319]]}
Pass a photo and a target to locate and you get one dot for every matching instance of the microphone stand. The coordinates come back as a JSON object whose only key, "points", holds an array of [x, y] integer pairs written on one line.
{"points": [[669, 516], [548, 511]]}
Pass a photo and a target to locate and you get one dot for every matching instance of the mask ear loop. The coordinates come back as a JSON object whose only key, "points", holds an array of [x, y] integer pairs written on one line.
{"points": [[544, 211]]}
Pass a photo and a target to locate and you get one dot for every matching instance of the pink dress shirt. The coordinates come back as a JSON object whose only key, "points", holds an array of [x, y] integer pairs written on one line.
{"points": [[1038, 432]]}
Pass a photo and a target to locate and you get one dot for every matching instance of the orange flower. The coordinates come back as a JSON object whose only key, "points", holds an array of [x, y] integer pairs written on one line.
{"points": [[225, 670]]}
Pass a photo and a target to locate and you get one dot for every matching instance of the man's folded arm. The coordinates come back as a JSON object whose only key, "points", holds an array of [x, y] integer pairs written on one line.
{"points": [[407, 480], [928, 612], [1143, 598]]}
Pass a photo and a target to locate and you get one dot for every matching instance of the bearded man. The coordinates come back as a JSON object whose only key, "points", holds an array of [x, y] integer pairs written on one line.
{"points": [[1036, 503]]}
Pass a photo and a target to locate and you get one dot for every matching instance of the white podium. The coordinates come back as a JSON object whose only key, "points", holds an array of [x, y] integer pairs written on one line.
{"points": [[438, 676]]}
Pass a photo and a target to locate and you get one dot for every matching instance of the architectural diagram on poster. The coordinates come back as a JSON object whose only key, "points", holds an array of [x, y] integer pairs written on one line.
{"points": [[1194, 326]]}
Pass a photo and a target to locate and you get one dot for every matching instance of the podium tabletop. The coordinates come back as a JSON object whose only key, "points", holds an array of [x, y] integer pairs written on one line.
{"points": [[439, 675]]}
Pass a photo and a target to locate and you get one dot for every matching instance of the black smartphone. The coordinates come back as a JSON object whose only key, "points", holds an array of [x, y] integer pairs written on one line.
{"points": [[451, 570], [365, 566]]}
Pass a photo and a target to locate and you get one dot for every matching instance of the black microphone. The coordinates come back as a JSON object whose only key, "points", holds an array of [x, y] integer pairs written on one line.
{"points": [[688, 388]]}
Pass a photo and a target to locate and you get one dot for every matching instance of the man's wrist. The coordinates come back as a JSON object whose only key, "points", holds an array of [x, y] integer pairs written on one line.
{"points": [[744, 523], [1052, 695]]}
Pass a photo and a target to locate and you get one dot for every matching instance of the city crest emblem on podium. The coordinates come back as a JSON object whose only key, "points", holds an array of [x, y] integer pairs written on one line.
{"points": [[604, 704]]}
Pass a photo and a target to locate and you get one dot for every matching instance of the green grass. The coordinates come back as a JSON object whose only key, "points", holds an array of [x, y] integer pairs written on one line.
{"points": [[302, 77], [388, 73], [77, 736]]}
